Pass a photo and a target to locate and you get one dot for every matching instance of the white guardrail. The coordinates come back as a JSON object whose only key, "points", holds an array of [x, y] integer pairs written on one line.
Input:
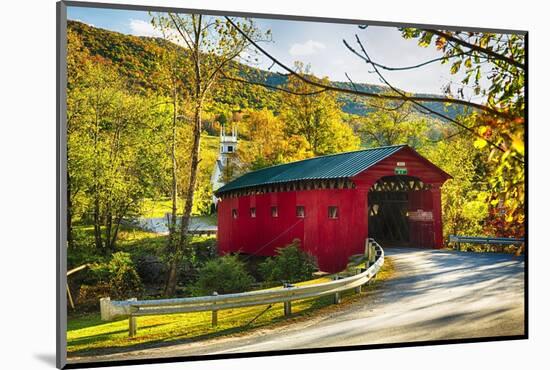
{"points": [[133, 308]]}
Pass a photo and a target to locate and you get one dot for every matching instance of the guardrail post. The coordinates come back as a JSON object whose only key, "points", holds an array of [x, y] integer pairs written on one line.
{"points": [[214, 314], [337, 297], [372, 255], [288, 308], [132, 326], [372, 278], [105, 308], [358, 289], [287, 304], [132, 323]]}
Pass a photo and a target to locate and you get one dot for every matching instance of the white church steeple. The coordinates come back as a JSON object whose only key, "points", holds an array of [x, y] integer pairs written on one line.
{"points": [[228, 143], [228, 147]]}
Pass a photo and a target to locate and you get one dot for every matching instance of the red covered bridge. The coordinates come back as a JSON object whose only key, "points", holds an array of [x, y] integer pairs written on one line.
{"points": [[333, 203]]}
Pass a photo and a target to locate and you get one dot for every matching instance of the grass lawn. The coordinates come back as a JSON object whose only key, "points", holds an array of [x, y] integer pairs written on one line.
{"points": [[158, 208], [87, 334]]}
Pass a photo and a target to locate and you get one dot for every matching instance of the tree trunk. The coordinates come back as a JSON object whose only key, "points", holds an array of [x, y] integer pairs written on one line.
{"points": [[171, 280], [69, 213], [172, 226], [97, 223], [182, 243], [97, 216], [108, 228], [114, 237], [185, 218]]}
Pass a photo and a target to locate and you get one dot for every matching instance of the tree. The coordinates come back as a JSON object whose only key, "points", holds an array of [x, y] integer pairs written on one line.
{"points": [[316, 117], [111, 165], [393, 123], [171, 74], [268, 143], [211, 43], [464, 199], [494, 65], [77, 174], [91, 114]]}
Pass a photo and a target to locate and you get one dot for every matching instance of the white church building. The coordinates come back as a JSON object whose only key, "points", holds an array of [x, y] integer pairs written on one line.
{"points": [[228, 147]]}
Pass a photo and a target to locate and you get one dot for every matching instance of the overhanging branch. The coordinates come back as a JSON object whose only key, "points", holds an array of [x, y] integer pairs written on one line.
{"points": [[471, 130], [477, 48], [399, 97], [419, 64]]}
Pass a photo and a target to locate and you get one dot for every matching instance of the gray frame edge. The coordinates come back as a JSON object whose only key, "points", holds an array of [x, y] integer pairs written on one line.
{"points": [[289, 17], [61, 127], [61, 188]]}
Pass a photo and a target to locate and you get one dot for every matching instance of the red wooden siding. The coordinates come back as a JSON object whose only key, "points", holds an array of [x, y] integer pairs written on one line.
{"points": [[417, 166], [332, 241]]}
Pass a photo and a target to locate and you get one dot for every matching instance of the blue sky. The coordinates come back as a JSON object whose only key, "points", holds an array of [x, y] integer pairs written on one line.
{"points": [[314, 43]]}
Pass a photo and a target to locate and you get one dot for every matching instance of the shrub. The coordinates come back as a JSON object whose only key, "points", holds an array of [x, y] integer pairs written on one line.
{"points": [[124, 280], [83, 251], [200, 250], [88, 297], [290, 264], [224, 275], [98, 274], [151, 269], [118, 261], [119, 274], [204, 249], [125, 283]]}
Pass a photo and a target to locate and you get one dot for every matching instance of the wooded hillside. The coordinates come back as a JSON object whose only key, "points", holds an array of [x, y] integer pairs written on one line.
{"points": [[137, 58]]}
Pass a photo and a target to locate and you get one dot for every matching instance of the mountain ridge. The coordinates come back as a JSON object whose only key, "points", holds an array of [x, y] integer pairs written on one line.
{"points": [[137, 59]]}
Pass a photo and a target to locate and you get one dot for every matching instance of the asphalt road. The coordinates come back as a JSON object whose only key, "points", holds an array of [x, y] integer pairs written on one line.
{"points": [[434, 295]]}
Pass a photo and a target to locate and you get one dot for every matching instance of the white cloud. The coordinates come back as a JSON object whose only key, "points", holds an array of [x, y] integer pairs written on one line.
{"points": [[307, 48], [81, 21], [140, 27]]}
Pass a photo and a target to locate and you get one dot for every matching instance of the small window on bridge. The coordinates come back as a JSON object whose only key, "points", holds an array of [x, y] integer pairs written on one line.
{"points": [[234, 213], [300, 211], [253, 212], [332, 212], [274, 212]]}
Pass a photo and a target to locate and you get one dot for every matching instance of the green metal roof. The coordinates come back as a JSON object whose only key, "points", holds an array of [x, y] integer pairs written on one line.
{"points": [[334, 166]]}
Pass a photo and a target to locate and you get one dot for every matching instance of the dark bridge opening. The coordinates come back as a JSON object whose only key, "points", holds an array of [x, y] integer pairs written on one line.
{"points": [[391, 200]]}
